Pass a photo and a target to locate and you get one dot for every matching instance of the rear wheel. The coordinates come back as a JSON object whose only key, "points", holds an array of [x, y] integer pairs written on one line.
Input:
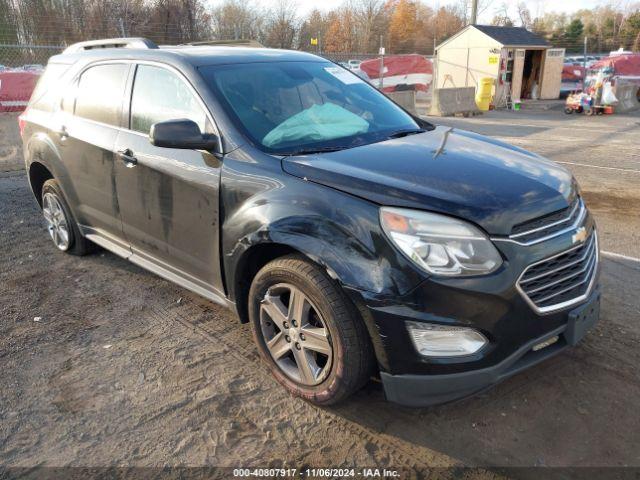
{"points": [[307, 331], [62, 228]]}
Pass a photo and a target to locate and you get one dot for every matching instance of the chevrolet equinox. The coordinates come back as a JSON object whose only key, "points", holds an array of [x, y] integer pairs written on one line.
{"points": [[355, 238]]}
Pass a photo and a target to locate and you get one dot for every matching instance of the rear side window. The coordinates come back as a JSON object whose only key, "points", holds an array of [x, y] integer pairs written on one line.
{"points": [[159, 95], [100, 91], [47, 89]]}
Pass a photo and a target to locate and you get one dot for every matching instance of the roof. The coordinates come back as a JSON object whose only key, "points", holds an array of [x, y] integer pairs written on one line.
{"points": [[197, 56], [513, 36]]}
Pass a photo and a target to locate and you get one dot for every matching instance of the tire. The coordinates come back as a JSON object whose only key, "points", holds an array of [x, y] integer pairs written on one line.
{"points": [[336, 345], [568, 110], [53, 202]]}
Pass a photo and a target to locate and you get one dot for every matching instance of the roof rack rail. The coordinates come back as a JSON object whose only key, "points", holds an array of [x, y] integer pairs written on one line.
{"points": [[133, 42], [224, 43]]}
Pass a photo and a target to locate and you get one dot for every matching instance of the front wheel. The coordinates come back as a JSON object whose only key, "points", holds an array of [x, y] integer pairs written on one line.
{"points": [[309, 334]]}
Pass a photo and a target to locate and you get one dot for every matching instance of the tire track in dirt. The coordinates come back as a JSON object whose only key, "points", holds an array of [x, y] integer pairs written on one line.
{"points": [[200, 318]]}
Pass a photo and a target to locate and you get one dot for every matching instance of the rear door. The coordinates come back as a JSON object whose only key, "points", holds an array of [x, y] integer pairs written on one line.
{"points": [[86, 131], [169, 197]]}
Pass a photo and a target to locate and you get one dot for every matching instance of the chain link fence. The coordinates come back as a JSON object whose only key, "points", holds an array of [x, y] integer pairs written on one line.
{"points": [[17, 56]]}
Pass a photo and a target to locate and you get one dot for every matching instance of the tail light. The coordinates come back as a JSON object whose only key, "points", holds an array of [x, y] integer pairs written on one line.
{"points": [[22, 122]]}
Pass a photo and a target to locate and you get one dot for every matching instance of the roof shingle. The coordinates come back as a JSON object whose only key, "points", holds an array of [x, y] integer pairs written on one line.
{"points": [[515, 36]]}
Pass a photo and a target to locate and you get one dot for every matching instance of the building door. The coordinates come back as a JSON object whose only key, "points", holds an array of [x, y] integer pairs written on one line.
{"points": [[516, 78], [552, 73]]}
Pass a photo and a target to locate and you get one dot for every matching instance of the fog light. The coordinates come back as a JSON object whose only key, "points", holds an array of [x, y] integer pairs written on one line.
{"points": [[442, 341]]}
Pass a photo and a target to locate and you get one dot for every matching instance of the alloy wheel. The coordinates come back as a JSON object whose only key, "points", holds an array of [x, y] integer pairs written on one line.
{"points": [[57, 224], [295, 334]]}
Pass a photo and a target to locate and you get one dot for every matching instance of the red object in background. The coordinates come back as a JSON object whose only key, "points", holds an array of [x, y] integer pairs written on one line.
{"points": [[15, 89], [625, 65], [401, 72], [572, 73]]}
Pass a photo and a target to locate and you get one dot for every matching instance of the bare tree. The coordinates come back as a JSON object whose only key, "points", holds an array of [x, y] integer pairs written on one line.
{"points": [[525, 15], [282, 25], [367, 15], [235, 19], [464, 8], [501, 17]]}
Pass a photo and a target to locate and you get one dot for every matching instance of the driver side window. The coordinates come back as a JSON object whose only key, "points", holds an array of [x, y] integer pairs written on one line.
{"points": [[159, 95]]}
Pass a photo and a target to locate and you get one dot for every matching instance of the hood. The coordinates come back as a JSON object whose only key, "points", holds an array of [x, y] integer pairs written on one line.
{"points": [[448, 171]]}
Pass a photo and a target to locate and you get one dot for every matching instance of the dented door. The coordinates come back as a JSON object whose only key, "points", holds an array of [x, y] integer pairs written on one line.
{"points": [[168, 197]]}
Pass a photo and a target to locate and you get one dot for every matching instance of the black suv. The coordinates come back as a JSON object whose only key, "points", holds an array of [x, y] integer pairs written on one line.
{"points": [[354, 237]]}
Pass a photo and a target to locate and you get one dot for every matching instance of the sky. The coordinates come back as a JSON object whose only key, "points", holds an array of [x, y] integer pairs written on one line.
{"points": [[537, 7]]}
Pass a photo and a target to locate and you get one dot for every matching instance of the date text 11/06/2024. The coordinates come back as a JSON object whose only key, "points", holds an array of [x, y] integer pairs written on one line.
{"points": [[315, 473]]}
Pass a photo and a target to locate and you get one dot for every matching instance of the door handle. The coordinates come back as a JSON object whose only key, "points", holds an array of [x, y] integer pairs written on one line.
{"points": [[127, 158], [62, 133]]}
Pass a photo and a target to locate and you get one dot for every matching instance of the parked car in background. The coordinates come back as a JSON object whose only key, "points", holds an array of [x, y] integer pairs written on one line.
{"points": [[354, 64], [355, 239], [34, 67]]}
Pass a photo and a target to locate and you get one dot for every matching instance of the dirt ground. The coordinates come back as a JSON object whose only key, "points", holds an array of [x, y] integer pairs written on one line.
{"points": [[10, 144], [104, 364]]}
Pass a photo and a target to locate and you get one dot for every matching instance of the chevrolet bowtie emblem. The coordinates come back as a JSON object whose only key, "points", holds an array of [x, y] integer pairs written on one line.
{"points": [[580, 235]]}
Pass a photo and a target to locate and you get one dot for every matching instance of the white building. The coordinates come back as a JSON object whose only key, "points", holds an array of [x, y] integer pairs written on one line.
{"points": [[521, 63]]}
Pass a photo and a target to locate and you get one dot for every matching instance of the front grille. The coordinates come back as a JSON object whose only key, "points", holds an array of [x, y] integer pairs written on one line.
{"points": [[563, 279], [543, 228]]}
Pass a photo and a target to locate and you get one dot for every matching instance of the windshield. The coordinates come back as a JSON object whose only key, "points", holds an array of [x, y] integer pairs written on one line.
{"points": [[299, 107]]}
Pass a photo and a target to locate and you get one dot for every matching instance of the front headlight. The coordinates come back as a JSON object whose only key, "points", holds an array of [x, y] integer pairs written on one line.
{"points": [[439, 244]]}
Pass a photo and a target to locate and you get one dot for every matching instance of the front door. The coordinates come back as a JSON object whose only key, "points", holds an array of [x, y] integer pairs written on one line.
{"points": [[169, 197]]}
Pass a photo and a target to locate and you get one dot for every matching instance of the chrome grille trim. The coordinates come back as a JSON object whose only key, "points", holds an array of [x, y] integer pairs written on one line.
{"points": [[570, 264], [552, 224], [582, 213], [587, 273], [568, 277]]}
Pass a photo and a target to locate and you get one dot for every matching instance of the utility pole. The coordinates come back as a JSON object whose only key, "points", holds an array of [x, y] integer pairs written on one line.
{"points": [[584, 63], [474, 12], [381, 73], [121, 25]]}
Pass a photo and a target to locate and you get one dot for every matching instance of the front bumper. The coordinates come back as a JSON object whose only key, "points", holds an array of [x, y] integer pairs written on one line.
{"points": [[426, 390], [492, 305]]}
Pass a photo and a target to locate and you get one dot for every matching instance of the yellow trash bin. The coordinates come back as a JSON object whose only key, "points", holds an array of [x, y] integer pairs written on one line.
{"points": [[483, 95]]}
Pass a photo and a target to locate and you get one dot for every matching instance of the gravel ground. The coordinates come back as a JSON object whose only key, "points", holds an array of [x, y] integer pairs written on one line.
{"points": [[10, 144], [104, 364]]}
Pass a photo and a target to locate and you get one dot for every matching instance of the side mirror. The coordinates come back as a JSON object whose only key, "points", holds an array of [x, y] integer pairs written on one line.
{"points": [[181, 133]]}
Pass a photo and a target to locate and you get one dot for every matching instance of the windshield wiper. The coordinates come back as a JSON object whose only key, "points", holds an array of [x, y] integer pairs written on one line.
{"points": [[404, 133], [308, 151]]}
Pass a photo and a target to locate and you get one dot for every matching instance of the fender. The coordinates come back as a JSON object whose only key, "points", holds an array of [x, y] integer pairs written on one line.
{"points": [[261, 205], [264, 205], [39, 148]]}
